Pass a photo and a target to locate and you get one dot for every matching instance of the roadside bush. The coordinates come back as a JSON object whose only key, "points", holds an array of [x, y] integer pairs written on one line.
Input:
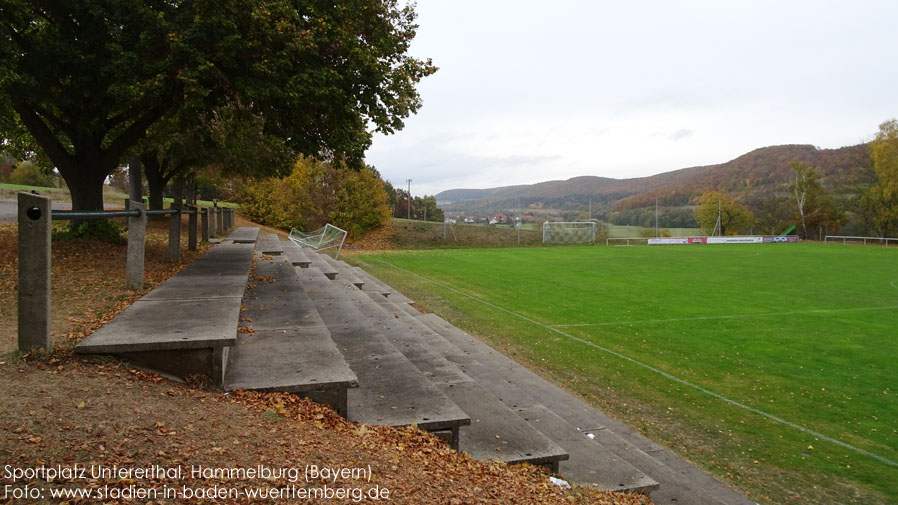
{"points": [[28, 174]]}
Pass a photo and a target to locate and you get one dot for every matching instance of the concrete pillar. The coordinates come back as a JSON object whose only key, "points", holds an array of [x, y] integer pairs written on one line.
{"points": [[219, 224], [213, 223], [191, 227], [230, 219], [34, 271], [174, 232], [137, 230], [205, 223]]}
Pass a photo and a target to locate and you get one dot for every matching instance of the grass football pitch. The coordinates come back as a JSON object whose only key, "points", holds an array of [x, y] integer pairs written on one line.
{"points": [[774, 366]]}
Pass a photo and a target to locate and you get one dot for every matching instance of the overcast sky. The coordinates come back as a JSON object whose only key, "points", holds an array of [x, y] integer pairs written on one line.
{"points": [[530, 91]]}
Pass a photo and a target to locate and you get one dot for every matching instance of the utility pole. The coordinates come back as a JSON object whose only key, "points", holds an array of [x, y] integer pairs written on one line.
{"points": [[656, 218], [409, 181], [590, 208]]}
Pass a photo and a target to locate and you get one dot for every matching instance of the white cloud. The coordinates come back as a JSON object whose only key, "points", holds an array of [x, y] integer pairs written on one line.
{"points": [[529, 91]]}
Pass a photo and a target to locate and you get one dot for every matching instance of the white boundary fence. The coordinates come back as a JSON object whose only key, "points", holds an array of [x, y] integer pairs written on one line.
{"points": [[846, 239]]}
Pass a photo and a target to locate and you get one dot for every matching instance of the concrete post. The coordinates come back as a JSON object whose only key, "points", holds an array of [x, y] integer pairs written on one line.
{"points": [[34, 271], [174, 232], [230, 220], [213, 224], [191, 227], [204, 219], [219, 224], [137, 230]]}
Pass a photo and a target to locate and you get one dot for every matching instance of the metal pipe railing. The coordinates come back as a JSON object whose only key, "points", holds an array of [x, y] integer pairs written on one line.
{"points": [[94, 214]]}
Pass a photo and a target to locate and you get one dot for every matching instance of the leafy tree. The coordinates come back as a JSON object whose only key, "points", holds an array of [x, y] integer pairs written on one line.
{"points": [[317, 193], [813, 206], [425, 209], [734, 216], [772, 211], [88, 78], [883, 196]]}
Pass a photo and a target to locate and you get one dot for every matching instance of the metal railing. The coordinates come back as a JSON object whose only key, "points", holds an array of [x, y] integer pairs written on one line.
{"points": [[35, 215], [846, 239]]}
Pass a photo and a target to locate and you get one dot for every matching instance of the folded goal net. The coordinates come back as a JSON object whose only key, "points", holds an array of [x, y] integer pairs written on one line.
{"points": [[328, 237], [574, 232]]}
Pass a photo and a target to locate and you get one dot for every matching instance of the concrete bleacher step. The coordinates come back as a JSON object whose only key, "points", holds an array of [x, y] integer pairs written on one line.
{"points": [[269, 244], [495, 433], [384, 289], [344, 271], [289, 348], [305, 258], [244, 235], [392, 391], [184, 326], [568, 420]]}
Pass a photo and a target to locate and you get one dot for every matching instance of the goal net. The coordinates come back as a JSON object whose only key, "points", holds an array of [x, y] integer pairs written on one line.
{"points": [[328, 237], [574, 232]]}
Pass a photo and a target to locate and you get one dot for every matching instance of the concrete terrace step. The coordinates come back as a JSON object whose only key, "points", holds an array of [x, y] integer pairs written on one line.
{"points": [[567, 420], [185, 325], [289, 348], [269, 244], [305, 258], [392, 391], [388, 291], [244, 235], [495, 433], [343, 270]]}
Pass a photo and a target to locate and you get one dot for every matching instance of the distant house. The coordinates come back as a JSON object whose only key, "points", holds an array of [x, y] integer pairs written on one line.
{"points": [[469, 220]]}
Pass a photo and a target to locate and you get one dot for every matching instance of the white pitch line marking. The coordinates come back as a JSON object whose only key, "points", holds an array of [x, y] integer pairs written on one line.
{"points": [[731, 316], [708, 392]]}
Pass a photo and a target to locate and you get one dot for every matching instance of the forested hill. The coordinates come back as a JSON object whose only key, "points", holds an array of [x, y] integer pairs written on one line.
{"points": [[763, 170]]}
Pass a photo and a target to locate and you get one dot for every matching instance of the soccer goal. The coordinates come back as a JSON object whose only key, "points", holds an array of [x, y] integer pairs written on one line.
{"points": [[574, 232], [328, 237]]}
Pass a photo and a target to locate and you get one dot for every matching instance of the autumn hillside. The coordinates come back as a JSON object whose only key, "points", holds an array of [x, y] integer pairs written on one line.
{"points": [[760, 171]]}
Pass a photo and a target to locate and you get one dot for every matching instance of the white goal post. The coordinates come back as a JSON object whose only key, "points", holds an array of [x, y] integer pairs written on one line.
{"points": [[328, 237], [571, 232]]}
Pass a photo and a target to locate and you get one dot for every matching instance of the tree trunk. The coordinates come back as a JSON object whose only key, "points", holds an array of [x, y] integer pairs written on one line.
{"points": [[156, 179]]}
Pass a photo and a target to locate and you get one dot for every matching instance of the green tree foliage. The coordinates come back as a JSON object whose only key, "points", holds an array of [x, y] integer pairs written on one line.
{"points": [[29, 174], [772, 211], [317, 193], [425, 209], [810, 200], [88, 78], [735, 217], [883, 196]]}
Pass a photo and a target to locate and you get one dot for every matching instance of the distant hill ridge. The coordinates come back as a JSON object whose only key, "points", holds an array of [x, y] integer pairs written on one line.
{"points": [[762, 170]]}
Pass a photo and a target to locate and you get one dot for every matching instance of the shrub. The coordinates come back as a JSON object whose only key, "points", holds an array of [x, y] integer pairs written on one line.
{"points": [[316, 193], [27, 173]]}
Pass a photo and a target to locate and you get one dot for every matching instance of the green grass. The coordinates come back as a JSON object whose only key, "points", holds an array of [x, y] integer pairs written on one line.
{"points": [[803, 332], [110, 195]]}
